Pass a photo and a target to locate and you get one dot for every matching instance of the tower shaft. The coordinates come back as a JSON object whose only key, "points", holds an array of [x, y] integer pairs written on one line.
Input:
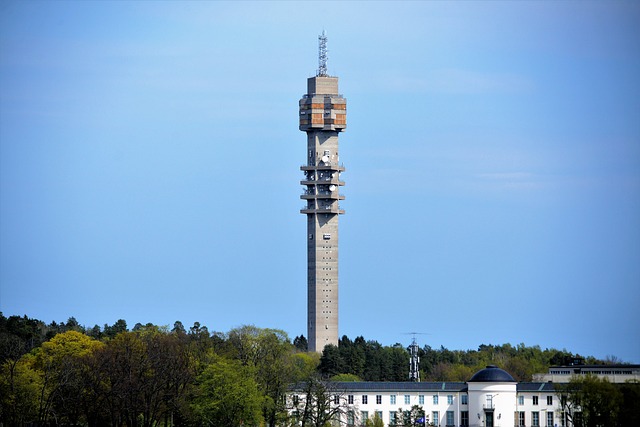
{"points": [[322, 117]]}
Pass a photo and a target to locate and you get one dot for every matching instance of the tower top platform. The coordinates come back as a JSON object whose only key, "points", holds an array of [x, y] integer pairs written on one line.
{"points": [[322, 85]]}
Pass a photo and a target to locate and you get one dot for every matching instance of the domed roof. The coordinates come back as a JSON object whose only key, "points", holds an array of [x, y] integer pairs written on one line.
{"points": [[492, 374]]}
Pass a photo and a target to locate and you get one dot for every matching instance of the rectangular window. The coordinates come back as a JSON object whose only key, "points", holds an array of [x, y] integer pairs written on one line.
{"points": [[521, 418], [520, 400], [535, 400], [365, 399], [436, 418], [392, 418], [464, 418], [449, 399], [336, 399], [435, 399], [379, 415], [450, 422], [350, 399], [549, 419], [407, 399], [421, 399], [549, 400], [351, 419], [378, 399], [535, 419], [465, 399], [392, 399], [364, 416]]}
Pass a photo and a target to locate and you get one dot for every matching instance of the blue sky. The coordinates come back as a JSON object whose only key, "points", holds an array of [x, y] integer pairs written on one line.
{"points": [[149, 167]]}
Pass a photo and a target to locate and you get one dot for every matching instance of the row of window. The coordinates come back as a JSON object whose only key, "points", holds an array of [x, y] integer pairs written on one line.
{"points": [[401, 418], [535, 419], [534, 400], [464, 399], [588, 371]]}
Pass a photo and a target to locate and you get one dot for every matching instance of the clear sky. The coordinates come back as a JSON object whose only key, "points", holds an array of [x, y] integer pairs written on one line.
{"points": [[150, 154]]}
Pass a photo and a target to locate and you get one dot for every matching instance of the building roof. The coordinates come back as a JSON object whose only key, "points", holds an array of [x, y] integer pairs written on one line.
{"points": [[522, 387], [602, 367], [400, 386], [492, 374], [427, 387]]}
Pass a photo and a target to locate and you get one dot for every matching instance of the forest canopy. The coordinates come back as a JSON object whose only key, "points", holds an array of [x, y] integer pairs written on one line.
{"points": [[113, 375]]}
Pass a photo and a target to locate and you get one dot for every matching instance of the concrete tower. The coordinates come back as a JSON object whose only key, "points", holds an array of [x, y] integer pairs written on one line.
{"points": [[322, 116]]}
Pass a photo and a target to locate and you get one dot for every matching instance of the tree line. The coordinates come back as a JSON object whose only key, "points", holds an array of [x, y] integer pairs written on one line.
{"points": [[67, 374], [369, 361], [64, 374]]}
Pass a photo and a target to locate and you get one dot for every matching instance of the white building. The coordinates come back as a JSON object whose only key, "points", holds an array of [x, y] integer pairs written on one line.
{"points": [[491, 398], [614, 373]]}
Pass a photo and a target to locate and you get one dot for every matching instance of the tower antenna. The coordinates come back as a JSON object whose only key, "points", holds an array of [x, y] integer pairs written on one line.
{"points": [[414, 359], [322, 54]]}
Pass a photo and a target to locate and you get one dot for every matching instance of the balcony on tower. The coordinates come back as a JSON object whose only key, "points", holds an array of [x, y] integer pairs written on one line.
{"points": [[324, 166], [322, 209], [322, 178], [312, 193]]}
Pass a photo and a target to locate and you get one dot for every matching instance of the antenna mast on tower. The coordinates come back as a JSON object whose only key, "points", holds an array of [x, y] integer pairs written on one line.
{"points": [[322, 54], [414, 358], [414, 362]]}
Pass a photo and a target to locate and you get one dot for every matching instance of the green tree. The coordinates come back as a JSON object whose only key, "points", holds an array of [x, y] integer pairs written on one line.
{"points": [[303, 365], [301, 343], [59, 363], [227, 395], [144, 376], [331, 362], [630, 409], [589, 401], [117, 328], [20, 387], [314, 404], [270, 354], [345, 378], [374, 421]]}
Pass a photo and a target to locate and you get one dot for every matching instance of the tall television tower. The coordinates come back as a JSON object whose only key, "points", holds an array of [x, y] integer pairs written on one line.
{"points": [[323, 115]]}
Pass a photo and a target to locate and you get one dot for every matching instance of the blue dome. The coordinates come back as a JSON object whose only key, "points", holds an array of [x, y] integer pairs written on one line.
{"points": [[492, 374]]}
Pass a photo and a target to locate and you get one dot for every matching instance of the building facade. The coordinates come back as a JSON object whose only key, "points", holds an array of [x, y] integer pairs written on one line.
{"points": [[613, 373], [491, 398], [322, 117]]}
